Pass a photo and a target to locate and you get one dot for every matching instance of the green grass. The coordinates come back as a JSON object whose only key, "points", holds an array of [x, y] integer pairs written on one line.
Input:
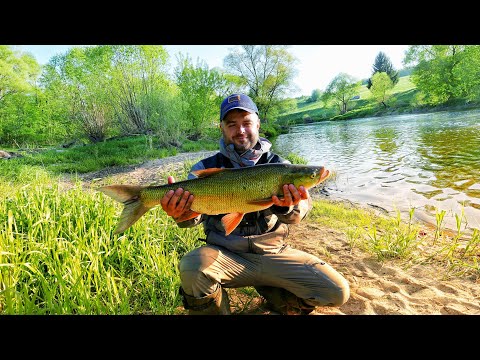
{"points": [[94, 157]]}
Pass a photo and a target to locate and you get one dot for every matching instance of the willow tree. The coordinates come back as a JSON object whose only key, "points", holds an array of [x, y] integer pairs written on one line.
{"points": [[76, 86], [111, 89], [139, 82], [341, 91], [266, 72]]}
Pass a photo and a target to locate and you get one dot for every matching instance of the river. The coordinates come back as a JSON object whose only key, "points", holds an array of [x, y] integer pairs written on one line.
{"points": [[429, 162]]}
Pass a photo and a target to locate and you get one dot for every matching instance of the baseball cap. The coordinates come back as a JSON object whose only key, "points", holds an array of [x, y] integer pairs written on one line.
{"points": [[237, 101]]}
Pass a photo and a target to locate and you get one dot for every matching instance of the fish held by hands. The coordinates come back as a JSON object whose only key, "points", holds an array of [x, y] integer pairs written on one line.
{"points": [[233, 192]]}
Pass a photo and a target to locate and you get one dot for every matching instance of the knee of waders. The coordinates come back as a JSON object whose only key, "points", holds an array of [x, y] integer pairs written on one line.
{"points": [[283, 301], [217, 303]]}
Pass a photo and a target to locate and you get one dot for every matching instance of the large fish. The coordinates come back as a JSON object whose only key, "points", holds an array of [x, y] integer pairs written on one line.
{"points": [[233, 192]]}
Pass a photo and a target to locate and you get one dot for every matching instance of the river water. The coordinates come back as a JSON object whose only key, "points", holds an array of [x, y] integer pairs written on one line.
{"points": [[430, 162]]}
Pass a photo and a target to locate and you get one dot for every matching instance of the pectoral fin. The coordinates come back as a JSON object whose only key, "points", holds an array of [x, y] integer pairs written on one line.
{"points": [[231, 221], [187, 216]]}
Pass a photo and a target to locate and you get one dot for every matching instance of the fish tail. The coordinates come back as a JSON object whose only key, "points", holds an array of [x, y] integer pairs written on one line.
{"points": [[129, 196]]}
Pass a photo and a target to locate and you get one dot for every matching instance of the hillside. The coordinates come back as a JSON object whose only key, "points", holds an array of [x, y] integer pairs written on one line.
{"points": [[402, 98]]}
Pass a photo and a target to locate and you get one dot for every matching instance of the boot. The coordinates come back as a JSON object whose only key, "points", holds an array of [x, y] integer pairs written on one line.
{"points": [[284, 302], [217, 303]]}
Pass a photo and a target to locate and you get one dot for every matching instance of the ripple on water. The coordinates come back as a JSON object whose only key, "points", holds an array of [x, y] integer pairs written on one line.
{"points": [[406, 160]]}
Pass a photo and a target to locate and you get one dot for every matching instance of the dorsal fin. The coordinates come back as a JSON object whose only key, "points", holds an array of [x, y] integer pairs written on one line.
{"points": [[206, 172]]}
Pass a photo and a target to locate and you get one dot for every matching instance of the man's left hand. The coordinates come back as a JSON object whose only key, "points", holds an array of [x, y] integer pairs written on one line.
{"points": [[291, 195]]}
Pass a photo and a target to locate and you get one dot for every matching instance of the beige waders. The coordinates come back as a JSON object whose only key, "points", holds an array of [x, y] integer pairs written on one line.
{"points": [[290, 280]]}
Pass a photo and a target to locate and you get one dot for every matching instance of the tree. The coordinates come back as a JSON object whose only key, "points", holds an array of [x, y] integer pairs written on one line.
{"points": [[445, 72], [202, 91], [341, 90], [75, 85], [316, 95], [266, 71], [139, 77], [468, 73], [18, 113], [383, 64], [111, 88], [18, 72], [381, 84]]}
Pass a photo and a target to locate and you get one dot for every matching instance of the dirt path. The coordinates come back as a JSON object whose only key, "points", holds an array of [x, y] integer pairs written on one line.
{"points": [[376, 288]]}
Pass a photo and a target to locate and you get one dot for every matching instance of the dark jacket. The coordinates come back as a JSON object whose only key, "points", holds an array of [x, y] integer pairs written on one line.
{"points": [[258, 232]]}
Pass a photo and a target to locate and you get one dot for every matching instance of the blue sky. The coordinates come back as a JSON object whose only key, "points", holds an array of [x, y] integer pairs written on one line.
{"points": [[318, 64]]}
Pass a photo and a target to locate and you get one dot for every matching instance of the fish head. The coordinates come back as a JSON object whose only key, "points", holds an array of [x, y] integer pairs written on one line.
{"points": [[308, 175]]}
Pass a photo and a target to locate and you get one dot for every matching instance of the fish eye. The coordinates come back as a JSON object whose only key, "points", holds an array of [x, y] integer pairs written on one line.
{"points": [[313, 176]]}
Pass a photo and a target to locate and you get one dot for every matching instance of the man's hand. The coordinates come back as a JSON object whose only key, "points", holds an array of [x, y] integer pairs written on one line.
{"points": [[291, 195], [176, 203]]}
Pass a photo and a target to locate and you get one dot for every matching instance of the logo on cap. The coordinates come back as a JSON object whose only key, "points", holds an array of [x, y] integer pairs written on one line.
{"points": [[233, 98]]}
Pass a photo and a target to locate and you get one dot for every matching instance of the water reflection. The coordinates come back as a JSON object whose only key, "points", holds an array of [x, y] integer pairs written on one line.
{"points": [[426, 161]]}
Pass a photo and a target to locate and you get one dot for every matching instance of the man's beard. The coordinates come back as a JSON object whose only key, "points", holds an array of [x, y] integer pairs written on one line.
{"points": [[240, 149]]}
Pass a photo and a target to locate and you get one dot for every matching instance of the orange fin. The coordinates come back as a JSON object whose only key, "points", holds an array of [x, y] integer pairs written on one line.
{"points": [[231, 221], [206, 172], [187, 216], [262, 202]]}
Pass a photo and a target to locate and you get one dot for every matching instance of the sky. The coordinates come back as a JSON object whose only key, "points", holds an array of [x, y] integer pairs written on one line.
{"points": [[317, 64]]}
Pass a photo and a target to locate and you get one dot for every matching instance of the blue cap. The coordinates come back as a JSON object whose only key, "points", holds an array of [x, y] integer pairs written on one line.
{"points": [[237, 101]]}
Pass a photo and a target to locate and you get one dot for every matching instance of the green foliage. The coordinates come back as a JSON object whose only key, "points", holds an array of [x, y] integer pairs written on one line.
{"points": [[18, 72], [444, 73], [110, 90], [286, 105], [341, 90], [316, 95], [381, 84], [202, 91], [383, 64], [267, 71], [296, 159], [19, 117]]}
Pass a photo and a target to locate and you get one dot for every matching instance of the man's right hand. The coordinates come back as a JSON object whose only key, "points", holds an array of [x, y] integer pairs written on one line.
{"points": [[177, 203]]}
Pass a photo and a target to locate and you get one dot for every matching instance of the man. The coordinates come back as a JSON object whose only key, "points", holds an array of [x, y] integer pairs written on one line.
{"points": [[254, 254]]}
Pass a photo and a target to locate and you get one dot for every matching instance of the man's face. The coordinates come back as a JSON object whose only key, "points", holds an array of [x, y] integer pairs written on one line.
{"points": [[240, 128]]}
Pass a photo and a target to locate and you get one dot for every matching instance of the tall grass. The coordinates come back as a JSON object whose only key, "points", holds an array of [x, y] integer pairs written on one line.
{"points": [[58, 254]]}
